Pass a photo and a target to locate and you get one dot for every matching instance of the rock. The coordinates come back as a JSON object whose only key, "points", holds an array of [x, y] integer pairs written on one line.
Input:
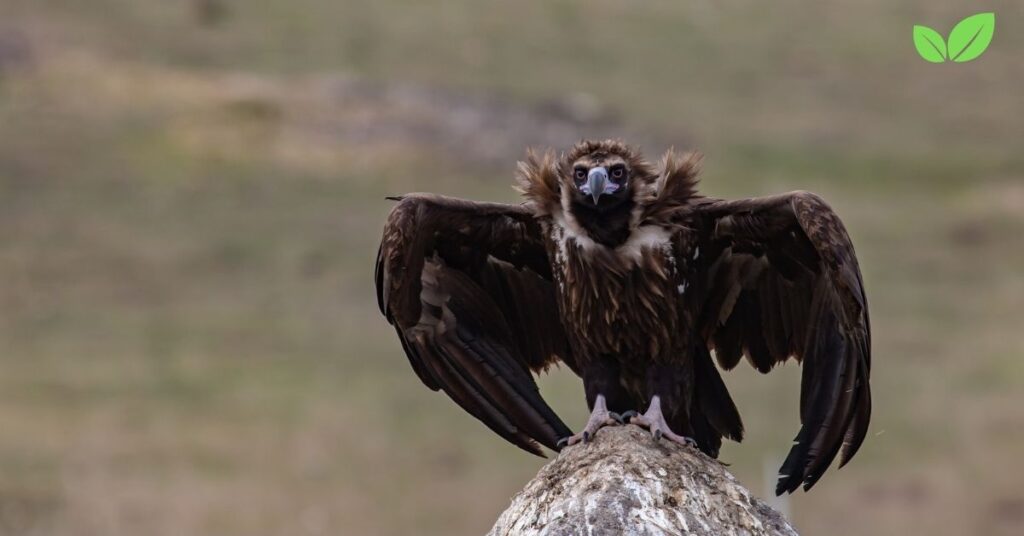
{"points": [[625, 483]]}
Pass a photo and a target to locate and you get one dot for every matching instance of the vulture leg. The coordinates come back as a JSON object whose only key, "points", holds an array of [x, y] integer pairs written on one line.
{"points": [[599, 418], [603, 389], [654, 420]]}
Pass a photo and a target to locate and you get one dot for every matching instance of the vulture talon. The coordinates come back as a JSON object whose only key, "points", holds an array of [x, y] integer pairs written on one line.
{"points": [[654, 421], [599, 418], [617, 417]]}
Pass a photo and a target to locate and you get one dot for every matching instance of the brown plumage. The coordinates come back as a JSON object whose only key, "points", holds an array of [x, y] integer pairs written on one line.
{"points": [[631, 278]]}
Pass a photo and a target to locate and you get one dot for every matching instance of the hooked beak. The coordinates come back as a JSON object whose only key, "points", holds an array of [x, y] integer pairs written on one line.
{"points": [[597, 181]]}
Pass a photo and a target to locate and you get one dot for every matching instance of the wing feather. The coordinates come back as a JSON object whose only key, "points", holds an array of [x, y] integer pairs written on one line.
{"points": [[785, 283], [467, 287]]}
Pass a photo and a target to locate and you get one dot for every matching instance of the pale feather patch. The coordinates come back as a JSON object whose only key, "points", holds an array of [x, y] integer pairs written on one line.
{"points": [[571, 228], [640, 239], [671, 258], [643, 238], [558, 237]]}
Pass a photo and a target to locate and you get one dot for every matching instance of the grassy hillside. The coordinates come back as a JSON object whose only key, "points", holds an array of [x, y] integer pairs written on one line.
{"points": [[190, 204]]}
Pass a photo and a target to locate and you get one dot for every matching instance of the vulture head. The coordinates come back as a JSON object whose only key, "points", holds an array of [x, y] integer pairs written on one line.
{"points": [[602, 177], [603, 184], [604, 189]]}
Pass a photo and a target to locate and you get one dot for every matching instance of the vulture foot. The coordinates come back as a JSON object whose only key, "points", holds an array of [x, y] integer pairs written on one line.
{"points": [[599, 418], [654, 421]]}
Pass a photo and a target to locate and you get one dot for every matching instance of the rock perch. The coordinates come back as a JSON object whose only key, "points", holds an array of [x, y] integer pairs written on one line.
{"points": [[625, 483]]}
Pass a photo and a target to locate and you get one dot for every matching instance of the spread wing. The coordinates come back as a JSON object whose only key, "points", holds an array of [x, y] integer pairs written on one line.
{"points": [[781, 279], [468, 288]]}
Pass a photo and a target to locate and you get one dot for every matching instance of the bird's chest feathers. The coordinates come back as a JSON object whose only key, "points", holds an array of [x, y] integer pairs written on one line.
{"points": [[622, 299]]}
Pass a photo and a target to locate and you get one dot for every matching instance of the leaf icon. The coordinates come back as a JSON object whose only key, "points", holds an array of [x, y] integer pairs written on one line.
{"points": [[971, 36], [929, 44]]}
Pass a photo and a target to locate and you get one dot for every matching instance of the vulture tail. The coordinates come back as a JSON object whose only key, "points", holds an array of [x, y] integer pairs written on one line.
{"points": [[714, 414]]}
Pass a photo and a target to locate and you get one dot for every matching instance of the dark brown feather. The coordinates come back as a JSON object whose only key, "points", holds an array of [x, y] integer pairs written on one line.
{"points": [[538, 182], [676, 187], [785, 283], [468, 288]]}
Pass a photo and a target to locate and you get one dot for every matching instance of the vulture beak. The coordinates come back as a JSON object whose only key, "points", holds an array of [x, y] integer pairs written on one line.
{"points": [[597, 181]]}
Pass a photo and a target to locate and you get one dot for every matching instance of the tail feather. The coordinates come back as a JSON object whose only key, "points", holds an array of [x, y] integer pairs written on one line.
{"points": [[713, 414], [713, 399], [709, 440]]}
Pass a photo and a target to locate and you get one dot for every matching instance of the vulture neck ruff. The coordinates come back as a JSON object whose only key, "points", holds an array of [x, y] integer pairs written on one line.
{"points": [[631, 250]]}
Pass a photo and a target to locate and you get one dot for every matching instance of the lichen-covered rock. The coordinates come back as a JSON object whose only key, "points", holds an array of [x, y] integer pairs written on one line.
{"points": [[625, 483]]}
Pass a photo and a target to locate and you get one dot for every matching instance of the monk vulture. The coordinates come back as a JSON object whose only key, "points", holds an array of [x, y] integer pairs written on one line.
{"points": [[623, 272]]}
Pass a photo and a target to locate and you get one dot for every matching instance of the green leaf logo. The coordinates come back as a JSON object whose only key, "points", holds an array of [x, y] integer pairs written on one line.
{"points": [[971, 36], [929, 44], [968, 40]]}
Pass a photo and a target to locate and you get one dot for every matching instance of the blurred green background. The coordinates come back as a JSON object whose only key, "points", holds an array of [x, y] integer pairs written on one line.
{"points": [[191, 194]]}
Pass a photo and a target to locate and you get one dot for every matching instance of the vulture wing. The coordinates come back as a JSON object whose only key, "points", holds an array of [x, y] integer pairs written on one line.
{"points": [[781, 279], [468, 288]]}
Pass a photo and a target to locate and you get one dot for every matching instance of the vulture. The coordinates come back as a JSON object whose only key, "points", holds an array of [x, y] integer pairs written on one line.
{"points": [[623, 272]]}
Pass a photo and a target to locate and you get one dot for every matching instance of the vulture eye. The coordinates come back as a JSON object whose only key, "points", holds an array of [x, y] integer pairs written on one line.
{"points": [[581, 174], [618, 172]]}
